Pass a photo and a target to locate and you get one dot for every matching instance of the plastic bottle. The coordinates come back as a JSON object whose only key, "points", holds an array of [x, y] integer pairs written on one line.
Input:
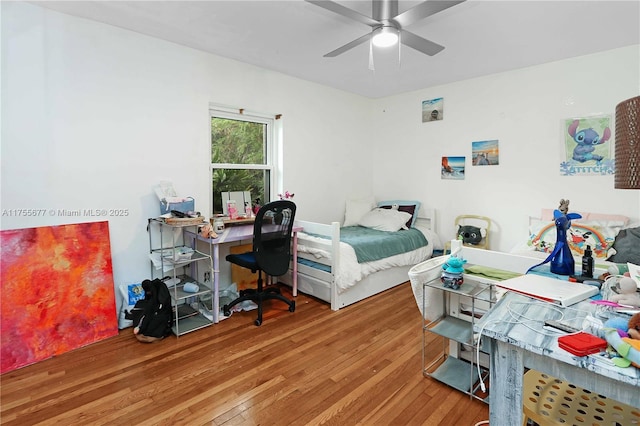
{"points": [[587, 263], [248, 210], [232, 211]]}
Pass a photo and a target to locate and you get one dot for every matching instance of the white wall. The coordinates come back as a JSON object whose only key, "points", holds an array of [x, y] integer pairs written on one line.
{"points": [[94, 116], [524, 110]]}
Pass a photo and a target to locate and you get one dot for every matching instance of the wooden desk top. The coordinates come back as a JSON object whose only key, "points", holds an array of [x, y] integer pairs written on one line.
{"points": [[234, 222]]}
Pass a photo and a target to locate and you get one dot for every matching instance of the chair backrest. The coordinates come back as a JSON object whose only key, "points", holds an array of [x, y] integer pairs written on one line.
{"points": [[482, 222], [272, 236]]}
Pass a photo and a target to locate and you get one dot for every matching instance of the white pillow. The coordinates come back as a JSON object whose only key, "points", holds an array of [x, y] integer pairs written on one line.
{"points": [[356, 208], [385, 220]]}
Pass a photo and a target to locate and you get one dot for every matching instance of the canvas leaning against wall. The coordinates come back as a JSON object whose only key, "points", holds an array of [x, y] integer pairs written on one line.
{"points": [[586, 146], [56, 291]]}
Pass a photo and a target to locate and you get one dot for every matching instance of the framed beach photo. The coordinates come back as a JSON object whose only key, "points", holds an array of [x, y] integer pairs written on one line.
{"points": [[452, 168], [432, 110], [485, 153]]}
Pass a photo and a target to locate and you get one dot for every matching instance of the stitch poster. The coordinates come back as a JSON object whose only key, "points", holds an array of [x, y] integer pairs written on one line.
{"points": [[587, 146]]}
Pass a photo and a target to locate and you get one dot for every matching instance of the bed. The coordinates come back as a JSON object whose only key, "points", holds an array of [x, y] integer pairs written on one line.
{"points": [[334, 271]]}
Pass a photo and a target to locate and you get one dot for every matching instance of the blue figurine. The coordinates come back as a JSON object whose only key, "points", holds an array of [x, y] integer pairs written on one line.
{"points": [[562, 262], [452, 271]]}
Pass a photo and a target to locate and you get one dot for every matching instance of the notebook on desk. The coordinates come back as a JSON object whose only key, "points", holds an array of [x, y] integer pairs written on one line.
{"points": [[552, 290]]}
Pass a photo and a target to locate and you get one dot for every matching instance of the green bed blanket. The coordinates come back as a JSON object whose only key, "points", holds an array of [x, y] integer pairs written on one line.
{"points": [[371, 244]]}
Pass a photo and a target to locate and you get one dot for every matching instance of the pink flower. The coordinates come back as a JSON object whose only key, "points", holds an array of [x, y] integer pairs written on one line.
{"points": [[286, 195]]}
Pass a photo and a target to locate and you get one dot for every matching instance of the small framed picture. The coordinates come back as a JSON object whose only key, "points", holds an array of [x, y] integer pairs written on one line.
{"points": [[485, 153], [432, 110], [453, 168]]}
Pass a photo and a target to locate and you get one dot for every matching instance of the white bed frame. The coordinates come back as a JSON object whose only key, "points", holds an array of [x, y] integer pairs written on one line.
{"points": [[322, 285]]}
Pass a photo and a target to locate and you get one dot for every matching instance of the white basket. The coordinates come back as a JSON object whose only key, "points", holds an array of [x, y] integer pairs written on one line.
{"points": [[420, 274]]}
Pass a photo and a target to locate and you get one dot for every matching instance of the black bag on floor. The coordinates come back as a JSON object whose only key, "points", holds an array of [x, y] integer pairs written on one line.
{"points": [[152, 316]]}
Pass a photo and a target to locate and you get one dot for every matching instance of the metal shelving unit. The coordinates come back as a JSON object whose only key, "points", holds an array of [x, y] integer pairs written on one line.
{"points": [[173, 254], [457, 363]]}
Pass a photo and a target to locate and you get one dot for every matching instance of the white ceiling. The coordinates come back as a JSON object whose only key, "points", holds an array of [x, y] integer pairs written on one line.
{"points": [[480, 37]]}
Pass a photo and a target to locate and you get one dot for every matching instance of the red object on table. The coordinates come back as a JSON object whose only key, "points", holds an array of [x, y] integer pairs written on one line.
{"points": [[582, 344]]}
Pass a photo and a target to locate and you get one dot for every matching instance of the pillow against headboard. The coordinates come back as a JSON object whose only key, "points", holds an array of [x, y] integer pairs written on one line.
{"points": [[409, 206], [385, 220], [356, 208], [599, 235]]}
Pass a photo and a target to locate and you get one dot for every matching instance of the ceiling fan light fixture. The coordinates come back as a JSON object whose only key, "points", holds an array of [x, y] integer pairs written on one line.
{"points": [[385, 36]]}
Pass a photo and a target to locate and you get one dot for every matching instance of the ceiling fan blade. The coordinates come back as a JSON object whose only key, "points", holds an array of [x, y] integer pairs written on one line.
{"points": [[348, 46], [344, 11], [420, 44], [423, 10]]}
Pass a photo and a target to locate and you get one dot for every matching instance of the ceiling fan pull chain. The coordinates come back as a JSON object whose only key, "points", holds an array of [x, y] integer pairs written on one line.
{"points": [[371, 67]]}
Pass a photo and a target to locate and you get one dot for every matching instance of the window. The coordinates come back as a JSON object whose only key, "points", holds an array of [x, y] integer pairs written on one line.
{"points": [[244, 155]]}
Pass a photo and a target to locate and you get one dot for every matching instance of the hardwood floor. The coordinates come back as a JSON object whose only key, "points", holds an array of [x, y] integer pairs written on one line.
{"points": [[360, 365]]}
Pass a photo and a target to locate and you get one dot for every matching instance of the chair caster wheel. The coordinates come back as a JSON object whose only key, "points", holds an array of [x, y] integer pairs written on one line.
{"points": [[292, 307], [258, 322]]}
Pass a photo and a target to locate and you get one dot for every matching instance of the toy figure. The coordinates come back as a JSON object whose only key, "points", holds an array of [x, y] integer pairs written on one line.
{"points": [[628, 294], [586, 140], [452, 271], [562, 262], [625, 341]]}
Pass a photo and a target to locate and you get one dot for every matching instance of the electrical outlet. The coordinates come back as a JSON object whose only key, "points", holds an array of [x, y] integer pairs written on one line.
{"points": [[207, 276]]}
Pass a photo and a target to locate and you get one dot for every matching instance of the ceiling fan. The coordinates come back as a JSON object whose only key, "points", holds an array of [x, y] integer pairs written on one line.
{"points": [[387, 25]]}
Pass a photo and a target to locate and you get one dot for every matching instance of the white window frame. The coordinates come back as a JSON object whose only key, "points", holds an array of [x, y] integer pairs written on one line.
{"points": [[274, 142]]}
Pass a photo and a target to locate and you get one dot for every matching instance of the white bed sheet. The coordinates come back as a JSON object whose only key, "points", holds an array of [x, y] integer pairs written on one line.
{"points": [[350, 271]]}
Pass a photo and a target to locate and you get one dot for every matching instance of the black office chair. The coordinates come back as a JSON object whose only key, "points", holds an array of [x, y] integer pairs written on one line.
{"points": [[271, 254]]}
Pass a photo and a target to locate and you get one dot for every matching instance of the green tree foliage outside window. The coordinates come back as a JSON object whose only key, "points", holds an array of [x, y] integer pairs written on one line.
{"points": [[238, 143]]}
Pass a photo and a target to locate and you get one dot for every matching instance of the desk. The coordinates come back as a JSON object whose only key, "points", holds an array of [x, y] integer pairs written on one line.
{"points": [[235, 234], [514, 347], [234, 222]]}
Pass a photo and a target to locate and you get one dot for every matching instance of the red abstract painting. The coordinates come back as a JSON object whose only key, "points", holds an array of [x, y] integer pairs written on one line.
{"points": [[56, 290]]}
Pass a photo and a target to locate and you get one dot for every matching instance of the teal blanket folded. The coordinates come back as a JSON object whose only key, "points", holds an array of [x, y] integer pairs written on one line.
{"points": [[371, 244]]}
